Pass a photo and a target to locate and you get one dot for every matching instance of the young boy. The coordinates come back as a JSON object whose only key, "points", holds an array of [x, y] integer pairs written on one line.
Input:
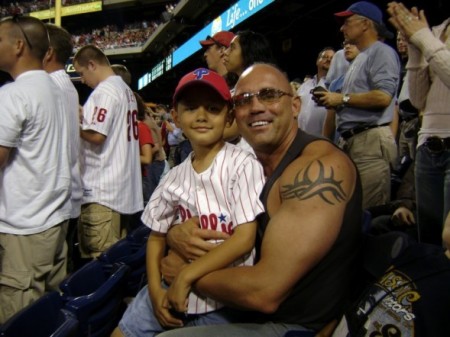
{"points": [[219, 183]]}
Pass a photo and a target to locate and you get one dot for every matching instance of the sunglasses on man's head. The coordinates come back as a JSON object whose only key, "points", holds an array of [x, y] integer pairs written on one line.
{"points": [[16, 19]]}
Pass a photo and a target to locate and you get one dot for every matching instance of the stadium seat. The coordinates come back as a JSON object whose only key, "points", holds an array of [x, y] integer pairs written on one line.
{"points": [[366, 222], [133, 255], [95, 293], [139, 235], [43, 318]]}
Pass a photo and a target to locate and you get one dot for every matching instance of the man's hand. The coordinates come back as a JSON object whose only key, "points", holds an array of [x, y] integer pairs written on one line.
{"points": [[328, 99], [162, 311], [190, 241]]}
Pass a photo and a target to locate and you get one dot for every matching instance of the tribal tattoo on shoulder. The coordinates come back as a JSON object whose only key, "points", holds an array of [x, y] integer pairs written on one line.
{"points": [[303, 187]]}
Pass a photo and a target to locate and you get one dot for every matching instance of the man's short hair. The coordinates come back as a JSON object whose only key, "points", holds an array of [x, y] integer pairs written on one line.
{"points": [[122, 71], [60, 41], [90, 53]]}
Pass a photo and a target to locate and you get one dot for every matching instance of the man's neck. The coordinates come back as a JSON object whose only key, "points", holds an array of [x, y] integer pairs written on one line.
{"points": [[366, 42]]}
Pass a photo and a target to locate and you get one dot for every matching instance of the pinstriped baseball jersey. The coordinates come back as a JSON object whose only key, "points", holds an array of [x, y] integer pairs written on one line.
{"points": [[71, 102], [223, 197], [111, 172]]}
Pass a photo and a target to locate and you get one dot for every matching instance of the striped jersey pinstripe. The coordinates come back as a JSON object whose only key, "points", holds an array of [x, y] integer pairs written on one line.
{"points": [[223, 196], [111, 172]]}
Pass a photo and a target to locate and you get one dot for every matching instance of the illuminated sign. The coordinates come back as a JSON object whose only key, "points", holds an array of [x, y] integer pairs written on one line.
{"points": [[70, 70], [235, 15], [69, 10]]}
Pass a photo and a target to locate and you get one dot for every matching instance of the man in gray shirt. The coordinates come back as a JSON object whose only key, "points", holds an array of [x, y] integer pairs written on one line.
{"points": [[365, 107]]}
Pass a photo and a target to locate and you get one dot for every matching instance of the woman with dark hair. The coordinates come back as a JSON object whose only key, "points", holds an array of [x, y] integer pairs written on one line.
{"points": [[247, 48]]}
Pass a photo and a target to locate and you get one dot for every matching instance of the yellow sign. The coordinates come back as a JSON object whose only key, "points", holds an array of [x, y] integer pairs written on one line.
{"points": [[69, 10]]}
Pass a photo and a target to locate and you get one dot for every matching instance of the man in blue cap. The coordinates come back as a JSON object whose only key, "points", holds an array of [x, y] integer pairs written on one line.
{"points": [[365, 107]]}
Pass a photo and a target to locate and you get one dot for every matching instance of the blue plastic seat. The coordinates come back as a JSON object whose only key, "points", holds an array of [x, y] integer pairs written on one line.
{"points": [[43, 318], [94, 294], [133, 255], [139, 235]]}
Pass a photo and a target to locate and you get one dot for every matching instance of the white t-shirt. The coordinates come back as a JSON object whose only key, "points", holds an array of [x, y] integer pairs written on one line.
{"points": [[111, 172], [71, 101], [35, 183], [223, 197]]}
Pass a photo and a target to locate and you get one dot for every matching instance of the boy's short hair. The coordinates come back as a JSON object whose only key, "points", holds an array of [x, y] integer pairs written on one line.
{"points": [[205, 77]]}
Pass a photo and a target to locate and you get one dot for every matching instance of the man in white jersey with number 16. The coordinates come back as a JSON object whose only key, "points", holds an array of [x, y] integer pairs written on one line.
{"points": [[110, 166]]}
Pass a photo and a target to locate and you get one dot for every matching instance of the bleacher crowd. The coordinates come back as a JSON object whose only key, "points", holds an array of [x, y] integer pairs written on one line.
{"points": [[320, 206]]}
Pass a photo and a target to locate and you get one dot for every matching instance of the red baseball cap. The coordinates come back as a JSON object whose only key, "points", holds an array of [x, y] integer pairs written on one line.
{"points": [[206, 77], [222, 38]]}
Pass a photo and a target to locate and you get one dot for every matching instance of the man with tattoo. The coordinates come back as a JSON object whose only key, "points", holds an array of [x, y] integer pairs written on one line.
{"points": [[308, 237]]}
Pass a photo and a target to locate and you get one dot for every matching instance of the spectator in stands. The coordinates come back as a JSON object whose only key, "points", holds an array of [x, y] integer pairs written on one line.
{"points": [[214, 50], [111, 174], [429, 91], [365, 107], [312, 191], [329, 127], [312, 116], [246, 48], [400, 212], [55, 60], [35, 175]]}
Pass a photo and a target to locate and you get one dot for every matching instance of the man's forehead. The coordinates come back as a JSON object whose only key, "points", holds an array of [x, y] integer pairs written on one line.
{"points": [[259, 76]]}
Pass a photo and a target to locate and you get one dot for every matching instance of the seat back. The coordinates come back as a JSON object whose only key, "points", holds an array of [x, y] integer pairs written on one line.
{"points": [[94, 294], [43, 318], [133, 255], [139, 235]]}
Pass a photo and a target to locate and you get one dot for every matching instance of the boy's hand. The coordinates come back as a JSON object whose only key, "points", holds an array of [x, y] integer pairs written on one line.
{"points": [[403, 216], [178, 293], [162, 312]]}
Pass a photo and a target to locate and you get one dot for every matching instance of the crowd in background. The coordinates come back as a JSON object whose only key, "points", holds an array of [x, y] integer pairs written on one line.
{"points": [[372, 123], [25, 7]]}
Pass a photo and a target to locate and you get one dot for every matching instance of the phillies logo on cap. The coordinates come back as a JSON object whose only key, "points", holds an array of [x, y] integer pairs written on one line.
{"points": [[199, 73]]}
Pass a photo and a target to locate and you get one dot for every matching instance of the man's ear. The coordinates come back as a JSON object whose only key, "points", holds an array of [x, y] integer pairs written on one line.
{"points": [[91, 65], [296, 105], [230, 117], [48, 55]]}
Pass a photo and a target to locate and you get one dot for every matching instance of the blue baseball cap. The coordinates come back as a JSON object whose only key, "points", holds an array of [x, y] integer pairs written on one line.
{"points": [[363, 8]]}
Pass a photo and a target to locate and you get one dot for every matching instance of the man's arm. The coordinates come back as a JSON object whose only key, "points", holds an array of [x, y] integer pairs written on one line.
{"points": [[313, 192], [93, 137], [239, 244], [329, 125], [374, 99], [190, 241], [4, 155]]}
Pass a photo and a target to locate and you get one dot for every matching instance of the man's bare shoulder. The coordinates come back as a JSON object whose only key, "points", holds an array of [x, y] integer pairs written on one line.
{"points": [[321, 170]]}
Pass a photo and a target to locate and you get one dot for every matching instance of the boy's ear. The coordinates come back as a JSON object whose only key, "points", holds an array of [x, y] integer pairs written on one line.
{"points": [[174, 114], [230, 117]]}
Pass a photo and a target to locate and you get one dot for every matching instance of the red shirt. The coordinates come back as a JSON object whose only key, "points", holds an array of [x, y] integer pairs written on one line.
{"points": [[145, 137]]}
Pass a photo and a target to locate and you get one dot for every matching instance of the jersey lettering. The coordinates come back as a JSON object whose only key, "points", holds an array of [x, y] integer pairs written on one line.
{"points": [[101, 115], [132, 124]]}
